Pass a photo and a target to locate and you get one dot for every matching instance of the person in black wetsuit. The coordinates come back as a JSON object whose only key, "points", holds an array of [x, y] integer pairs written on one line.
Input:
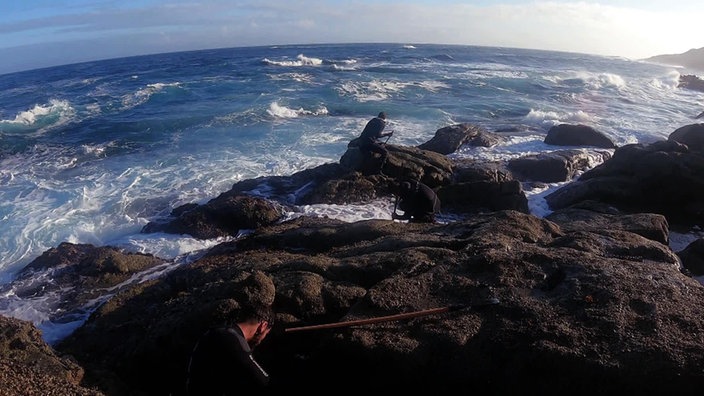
{"points": [[418, 202], [222, 362], [369, 139]]}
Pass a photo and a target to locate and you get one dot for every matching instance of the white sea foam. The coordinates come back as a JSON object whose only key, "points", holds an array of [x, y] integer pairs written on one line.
{"points": [[375, 90], [41, 117], [142, 95], [97, 150], [670, 81], [377, 209], [379, 90], [278, 111], [495, 73], [166, 246], [679, 240], [345, 66], [432, 86], [548, 118], [298, 77], [301, 60], [596, 81]]}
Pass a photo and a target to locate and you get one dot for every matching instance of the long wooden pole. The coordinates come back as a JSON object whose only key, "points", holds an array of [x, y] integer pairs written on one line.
{"points": [[375, 320]]}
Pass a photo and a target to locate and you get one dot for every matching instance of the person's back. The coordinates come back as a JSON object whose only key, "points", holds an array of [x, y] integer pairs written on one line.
{"points": [[372, 131], [418, 202], [219, 363], [222, 363], [368, 140]]}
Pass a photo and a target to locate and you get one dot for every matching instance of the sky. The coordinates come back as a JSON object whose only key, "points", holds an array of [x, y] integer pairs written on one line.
{"points": [[41, 33]]}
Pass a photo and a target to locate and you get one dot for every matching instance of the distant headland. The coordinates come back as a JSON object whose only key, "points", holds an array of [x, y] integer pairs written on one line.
{"points": [[692, 59]]}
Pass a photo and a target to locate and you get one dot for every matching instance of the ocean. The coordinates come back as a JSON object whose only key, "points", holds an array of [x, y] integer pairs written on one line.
{"points": [[91, 152]]}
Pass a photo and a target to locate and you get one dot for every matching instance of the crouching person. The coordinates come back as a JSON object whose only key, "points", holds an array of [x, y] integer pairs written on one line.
{"points": [[418, 202]]}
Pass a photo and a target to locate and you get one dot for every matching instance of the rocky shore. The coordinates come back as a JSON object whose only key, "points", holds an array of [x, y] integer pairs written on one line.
{"points": [[590, 299]]}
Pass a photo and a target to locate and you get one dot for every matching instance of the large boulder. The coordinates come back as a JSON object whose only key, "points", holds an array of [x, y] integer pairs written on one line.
{"points": [[81, 273], [480, 186], [577, 135], [664, 177], [690, 81], [590, 216], [223, 216], [448, 139], [356, 179], [403, 162], [535, 308], [693, 257], [472, 170], [291, 189], [483, 196], [555, 166], [691, 135]]}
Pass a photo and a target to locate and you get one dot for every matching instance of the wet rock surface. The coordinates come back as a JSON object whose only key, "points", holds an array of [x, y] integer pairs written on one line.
{"points": [[28, 366], [598, 310]]}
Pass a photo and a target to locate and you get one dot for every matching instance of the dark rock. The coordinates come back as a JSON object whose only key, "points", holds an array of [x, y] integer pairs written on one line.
{"points": [[690, 81], [448, 139], [693, 257], [293, 189], [663, 178], [225, 215], [403, 162], [104, 266], [355, 179], [690, 135], [82, 273], [577, 135], [470, 170], [649, 225], [28, 366], [352, 188], [486, 139], [578, 311], [556, 166], [324, 184], [479, 197]]}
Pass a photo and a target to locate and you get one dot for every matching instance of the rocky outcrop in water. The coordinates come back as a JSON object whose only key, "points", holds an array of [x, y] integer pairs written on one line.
{"points": [[81, 273], [225, 215], [577, 135], [693, 257], [690, 135], [690, 81], [448, 139], [28, 366], [556, 166], [664, 177]]}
